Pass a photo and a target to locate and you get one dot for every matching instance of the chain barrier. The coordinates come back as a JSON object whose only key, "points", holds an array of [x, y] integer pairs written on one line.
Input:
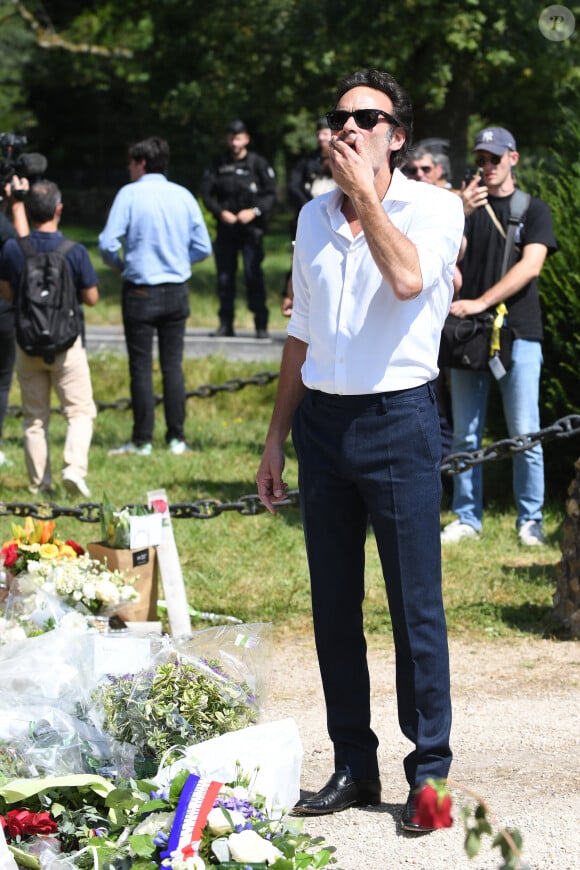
{"points": [[250, 505], [205, 391]]}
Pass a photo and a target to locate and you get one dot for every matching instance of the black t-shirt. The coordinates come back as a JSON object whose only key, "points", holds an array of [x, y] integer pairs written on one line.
{"points": [[481, 265]]}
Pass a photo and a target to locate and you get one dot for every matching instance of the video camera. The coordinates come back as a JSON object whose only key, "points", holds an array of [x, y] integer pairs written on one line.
{"points": [[30, 166]]}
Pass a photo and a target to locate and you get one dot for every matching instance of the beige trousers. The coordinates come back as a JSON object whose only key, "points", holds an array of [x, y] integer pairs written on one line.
{"points": [[70, 376]]}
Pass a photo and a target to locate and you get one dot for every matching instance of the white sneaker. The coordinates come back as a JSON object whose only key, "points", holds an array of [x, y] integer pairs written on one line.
{"points": [[456, 531], [531, 534], [4, 459], [75, 485], [177, 447], [129, 447]]}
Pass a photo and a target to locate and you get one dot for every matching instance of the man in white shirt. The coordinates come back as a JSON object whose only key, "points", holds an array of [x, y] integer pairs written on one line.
{"points": [[373, 270]]}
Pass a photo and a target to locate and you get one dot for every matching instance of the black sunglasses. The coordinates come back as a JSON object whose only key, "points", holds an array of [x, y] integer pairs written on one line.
{"points": [[493, 158], [366, 119], [413, 170]]}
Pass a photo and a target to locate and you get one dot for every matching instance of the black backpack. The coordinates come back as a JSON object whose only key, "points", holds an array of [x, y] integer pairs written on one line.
{"points": [[48, 313]]}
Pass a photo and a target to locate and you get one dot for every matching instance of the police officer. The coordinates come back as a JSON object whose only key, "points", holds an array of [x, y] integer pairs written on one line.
{"points": [[239, 190]]}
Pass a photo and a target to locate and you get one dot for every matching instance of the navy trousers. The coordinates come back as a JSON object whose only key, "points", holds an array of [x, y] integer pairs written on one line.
{"points": [[249, 240], [377, 457], [161, 309]]}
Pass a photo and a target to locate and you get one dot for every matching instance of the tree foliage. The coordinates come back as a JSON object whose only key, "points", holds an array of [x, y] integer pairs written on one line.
{"points": [[184, 67]]}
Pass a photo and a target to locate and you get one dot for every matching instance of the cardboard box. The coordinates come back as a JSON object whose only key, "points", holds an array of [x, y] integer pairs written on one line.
{"points": [[141, 563]]}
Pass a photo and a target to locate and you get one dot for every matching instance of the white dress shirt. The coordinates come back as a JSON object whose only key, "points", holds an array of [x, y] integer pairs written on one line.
{"points": [[361, 338]]}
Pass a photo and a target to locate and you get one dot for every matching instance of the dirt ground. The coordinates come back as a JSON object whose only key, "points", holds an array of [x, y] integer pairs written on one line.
{"points": [[515, 741]]}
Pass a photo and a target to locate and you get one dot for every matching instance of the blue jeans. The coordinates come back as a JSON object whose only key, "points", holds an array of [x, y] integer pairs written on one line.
{"points": [[161, 309], [520, 389], [377, 457]]}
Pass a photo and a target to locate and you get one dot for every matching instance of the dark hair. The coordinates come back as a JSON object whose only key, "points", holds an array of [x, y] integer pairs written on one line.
{"points": [[154, 151], [41, 201], [402, 108]]}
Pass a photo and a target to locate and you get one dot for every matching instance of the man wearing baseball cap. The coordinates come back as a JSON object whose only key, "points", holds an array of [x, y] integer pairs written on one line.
{"points": [[487, 202], [239, 189]]}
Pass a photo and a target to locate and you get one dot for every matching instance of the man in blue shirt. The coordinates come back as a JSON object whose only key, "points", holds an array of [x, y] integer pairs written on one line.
{"points": [[161, 229]]}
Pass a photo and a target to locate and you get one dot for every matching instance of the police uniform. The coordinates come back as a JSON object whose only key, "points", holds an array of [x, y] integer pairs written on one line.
{"points": [[233, 185]]}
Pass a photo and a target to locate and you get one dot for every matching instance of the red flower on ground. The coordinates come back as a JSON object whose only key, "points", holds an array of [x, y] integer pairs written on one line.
{"points": [[42, 823], [76, 547], [433, 807], [23, 823]]}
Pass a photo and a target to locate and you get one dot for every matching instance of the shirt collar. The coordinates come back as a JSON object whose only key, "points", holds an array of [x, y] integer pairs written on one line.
{"points": [[399, 191]]}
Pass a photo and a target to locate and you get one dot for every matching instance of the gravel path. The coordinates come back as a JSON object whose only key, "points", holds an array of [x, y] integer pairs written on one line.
{"points": [[515, 742]]}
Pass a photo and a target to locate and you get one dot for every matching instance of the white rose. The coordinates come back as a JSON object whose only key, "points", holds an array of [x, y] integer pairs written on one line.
{"points": [[249, 848], [107, 592], [219, 824], [154, 823]]}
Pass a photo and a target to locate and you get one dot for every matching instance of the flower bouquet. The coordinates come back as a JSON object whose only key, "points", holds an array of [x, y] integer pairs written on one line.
{"points": [[137, 825], [173, 703], [33, 541]]}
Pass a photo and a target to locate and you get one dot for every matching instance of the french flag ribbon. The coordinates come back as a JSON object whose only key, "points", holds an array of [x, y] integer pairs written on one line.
{"points": [[195, 802]]}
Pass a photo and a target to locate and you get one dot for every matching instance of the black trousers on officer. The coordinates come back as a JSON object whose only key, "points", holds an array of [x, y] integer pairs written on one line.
{"points": [[377, 456], [233, 239]]}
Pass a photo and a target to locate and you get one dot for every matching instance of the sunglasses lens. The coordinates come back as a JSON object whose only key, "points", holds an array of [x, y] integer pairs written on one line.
{"points": [[366, 119], [493, 158], [337, 119]]}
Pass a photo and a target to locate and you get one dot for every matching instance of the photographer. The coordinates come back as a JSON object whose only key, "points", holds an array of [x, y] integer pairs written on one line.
{"points": [[13, 192]]}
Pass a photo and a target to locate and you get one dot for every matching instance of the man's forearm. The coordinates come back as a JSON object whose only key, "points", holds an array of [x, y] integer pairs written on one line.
{"points": [[290, 391]]}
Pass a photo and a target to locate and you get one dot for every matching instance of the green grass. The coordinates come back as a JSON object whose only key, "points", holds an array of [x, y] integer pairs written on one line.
{"points": [[254, 567]]}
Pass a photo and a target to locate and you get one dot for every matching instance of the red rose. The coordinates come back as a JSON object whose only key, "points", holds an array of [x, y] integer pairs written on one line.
{"points": [[432, 808], [42, 823], [76, 547], [17, 822], [10, 554]]}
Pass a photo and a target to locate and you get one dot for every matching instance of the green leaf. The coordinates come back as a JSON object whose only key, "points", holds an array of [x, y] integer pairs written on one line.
{"points": [[472, 843]]}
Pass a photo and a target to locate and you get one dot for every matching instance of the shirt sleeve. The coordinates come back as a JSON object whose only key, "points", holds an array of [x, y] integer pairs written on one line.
{"points": [[199, 241], [110, 240], [83, 271]]}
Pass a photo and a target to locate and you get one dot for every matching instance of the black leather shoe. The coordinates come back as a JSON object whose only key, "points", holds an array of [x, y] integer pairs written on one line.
{"points": [[340, 792], [223, 331], [407, 822], [262, 333]]}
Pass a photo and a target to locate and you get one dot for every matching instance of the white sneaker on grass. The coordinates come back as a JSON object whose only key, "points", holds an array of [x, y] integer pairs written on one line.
{"points": [[75, 485], [177, 447], [456, 531], [129, 447], [4, 459], [531, 534]]}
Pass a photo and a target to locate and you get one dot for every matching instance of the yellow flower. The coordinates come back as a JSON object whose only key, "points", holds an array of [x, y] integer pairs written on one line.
{"points": [[65, 551], [49, 551]]}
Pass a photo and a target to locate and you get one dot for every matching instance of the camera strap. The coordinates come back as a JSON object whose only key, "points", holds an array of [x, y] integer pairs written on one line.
{"points": [[518, 207]]}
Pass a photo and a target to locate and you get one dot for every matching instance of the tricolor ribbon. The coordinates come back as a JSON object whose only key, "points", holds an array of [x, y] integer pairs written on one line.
{"points": [[195, 802]]}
